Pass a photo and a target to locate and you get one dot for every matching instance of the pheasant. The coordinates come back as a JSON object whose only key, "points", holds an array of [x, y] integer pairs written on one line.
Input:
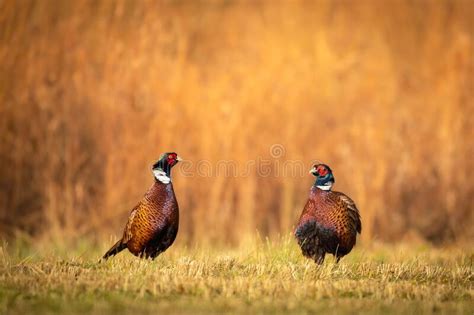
{"points": [[330, 220], [153, 223]]}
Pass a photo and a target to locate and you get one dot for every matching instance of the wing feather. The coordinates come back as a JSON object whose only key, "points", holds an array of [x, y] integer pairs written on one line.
{"points": [[127, 235], [352, 211]]}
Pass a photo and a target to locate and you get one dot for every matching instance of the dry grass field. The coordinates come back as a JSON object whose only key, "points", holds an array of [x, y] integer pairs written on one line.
{"points": [[261, 277], [91, 92]]}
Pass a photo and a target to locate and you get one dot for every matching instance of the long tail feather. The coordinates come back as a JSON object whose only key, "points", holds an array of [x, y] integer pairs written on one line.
{"points": [[114, 250]]}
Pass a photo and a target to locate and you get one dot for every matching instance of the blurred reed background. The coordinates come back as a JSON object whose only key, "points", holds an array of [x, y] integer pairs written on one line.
{"points": [[91, 92]]}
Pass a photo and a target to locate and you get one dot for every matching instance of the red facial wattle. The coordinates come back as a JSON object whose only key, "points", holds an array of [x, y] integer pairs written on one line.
{"points": [[322, 171], [171, 160]]}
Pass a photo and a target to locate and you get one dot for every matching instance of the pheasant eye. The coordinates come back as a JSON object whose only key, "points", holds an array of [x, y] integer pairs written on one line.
{"points": [[170, 156]]}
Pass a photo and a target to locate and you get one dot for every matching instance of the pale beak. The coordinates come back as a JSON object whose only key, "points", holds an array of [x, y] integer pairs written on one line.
{"points": [[313, 170], [178, 158]]}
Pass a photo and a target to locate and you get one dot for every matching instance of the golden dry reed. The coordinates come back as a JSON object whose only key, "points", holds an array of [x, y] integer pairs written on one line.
{"points": [[91, 92]]}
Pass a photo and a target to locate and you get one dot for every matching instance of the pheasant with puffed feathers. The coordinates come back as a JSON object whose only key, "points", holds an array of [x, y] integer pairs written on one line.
{"points": [[330, 220]]}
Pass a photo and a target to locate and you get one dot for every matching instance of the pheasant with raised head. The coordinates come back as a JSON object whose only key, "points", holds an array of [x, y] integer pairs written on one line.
{"points": [[153, 223], [330, 220]]}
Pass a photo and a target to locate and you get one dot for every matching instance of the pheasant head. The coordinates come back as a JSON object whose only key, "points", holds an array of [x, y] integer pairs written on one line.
{"points": [[324, 177], [162, 168]]}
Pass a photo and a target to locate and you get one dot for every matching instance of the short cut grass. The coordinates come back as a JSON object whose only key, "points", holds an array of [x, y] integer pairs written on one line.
{"points": [[264, 277]]}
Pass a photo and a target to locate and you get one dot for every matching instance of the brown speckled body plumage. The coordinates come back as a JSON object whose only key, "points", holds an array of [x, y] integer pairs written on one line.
{"points": [[153, 223], [328, 224]]}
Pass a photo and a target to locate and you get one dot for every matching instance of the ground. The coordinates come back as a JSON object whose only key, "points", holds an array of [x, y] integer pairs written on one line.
{"points": [[261, 278]]}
